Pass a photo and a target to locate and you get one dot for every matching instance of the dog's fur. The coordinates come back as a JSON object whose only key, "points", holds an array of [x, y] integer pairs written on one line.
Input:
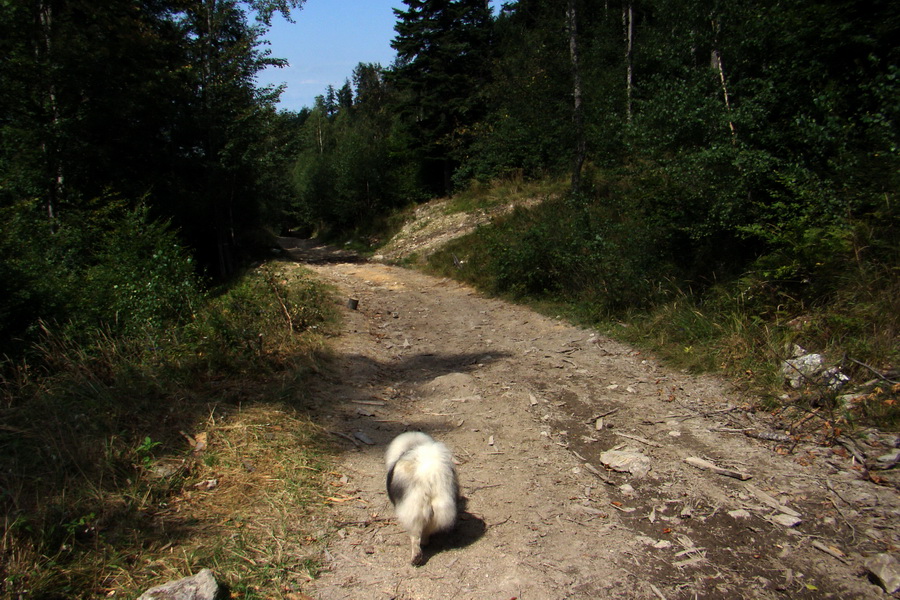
{"points": [[422, 486]]}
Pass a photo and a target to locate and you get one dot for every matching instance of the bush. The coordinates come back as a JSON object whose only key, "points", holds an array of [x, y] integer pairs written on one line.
{"points": [[141, 279]]}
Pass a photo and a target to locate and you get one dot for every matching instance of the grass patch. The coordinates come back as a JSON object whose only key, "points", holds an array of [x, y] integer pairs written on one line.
{"points": [[128, 462], [514, 188]]}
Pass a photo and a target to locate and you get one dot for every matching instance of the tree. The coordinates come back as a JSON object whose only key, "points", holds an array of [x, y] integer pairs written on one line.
{"points": [[443, 50], [527, 125], [577, 108], [222, 124]]}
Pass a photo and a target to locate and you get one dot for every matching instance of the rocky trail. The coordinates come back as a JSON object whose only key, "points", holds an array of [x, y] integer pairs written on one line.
{"points": [[539, 415]]}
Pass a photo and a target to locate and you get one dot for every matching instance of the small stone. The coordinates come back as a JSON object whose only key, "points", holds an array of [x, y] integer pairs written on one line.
{"points": [[630, 462], [201, 586], [365, 439], [786, 519], [886, 570], [886, 461]]}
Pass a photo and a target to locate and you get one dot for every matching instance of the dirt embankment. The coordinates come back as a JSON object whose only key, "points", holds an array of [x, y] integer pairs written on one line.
{"points": [[517, 397]]}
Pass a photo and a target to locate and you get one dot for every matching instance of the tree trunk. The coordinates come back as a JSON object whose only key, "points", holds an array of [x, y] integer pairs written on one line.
{"points": [[50, 145], [628, 26], [716, 64], [578, 109]]}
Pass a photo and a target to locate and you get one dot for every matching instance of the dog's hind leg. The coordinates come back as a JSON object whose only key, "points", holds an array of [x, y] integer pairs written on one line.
{"points": [[417, 556]]}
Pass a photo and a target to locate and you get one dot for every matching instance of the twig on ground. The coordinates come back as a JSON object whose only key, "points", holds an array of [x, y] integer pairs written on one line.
{"points": [[656, 591], [880, 375], [483, 487], [829, 551], [708, 466]]}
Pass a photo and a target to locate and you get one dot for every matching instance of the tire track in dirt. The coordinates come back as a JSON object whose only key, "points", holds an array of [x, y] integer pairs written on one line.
{"points": [[515, 395]]}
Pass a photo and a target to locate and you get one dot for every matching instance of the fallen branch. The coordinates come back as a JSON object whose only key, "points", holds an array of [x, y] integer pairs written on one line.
{"points": [[771, 436], [829, 551], [601, 415], [772, 501], [345, 436], [708, 466], [881, 376], [805, 418], [597, 472], [656, 591]]}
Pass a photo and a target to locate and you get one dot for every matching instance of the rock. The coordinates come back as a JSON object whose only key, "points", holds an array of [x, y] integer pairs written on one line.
{"points": [[627, 462], [785, 519], [886, 461], [886, 571], [364, 438], [811, 368], [201, 586]]}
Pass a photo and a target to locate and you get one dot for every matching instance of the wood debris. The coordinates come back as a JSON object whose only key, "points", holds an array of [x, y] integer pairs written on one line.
{"points": [[771, 501], [830, 550], [705, 465]]}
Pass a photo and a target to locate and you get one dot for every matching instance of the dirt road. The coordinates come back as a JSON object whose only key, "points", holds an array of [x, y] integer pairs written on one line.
{"points": [[517, 397]]}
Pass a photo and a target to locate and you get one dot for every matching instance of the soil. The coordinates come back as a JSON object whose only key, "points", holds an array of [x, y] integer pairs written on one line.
{"points": [[517, 397]]}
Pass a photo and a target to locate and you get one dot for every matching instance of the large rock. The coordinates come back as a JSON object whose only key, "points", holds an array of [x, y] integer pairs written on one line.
{"points": [[201, 586]]}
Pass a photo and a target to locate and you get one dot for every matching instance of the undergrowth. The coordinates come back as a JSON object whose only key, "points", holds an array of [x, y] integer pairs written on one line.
{"points": [[133, 460]]}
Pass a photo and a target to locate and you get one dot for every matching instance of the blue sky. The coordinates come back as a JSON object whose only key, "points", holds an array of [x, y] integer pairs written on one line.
{"points": [[326, 41]]}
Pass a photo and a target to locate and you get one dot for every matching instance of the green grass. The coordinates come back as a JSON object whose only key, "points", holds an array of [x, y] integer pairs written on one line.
{"points": [[103, 492]]}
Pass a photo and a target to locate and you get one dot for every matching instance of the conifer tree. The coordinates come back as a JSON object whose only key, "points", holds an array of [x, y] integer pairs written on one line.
{"points": [[443, 51]]}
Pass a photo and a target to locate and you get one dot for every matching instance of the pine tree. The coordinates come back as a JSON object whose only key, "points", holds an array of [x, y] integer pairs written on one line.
{"points": [[443, 51]]}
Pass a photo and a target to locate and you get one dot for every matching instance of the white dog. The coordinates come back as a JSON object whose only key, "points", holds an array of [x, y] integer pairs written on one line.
{"points": [[422, 486]]}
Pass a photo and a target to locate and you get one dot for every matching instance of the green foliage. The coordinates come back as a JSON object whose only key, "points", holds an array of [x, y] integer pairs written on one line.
{"points": [[141, 279], [564, 249], [150, 100], [354, 163], [248, 322], [115, 269], [443, 50]]}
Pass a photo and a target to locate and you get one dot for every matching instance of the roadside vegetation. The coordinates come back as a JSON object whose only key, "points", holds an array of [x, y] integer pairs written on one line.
{"points": [[731, 175], [128, 460], [588, 260]]}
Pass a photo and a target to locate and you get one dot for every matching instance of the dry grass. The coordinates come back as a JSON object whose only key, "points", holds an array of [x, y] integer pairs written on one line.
{"points": [[244, 501], [248, 506]]}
